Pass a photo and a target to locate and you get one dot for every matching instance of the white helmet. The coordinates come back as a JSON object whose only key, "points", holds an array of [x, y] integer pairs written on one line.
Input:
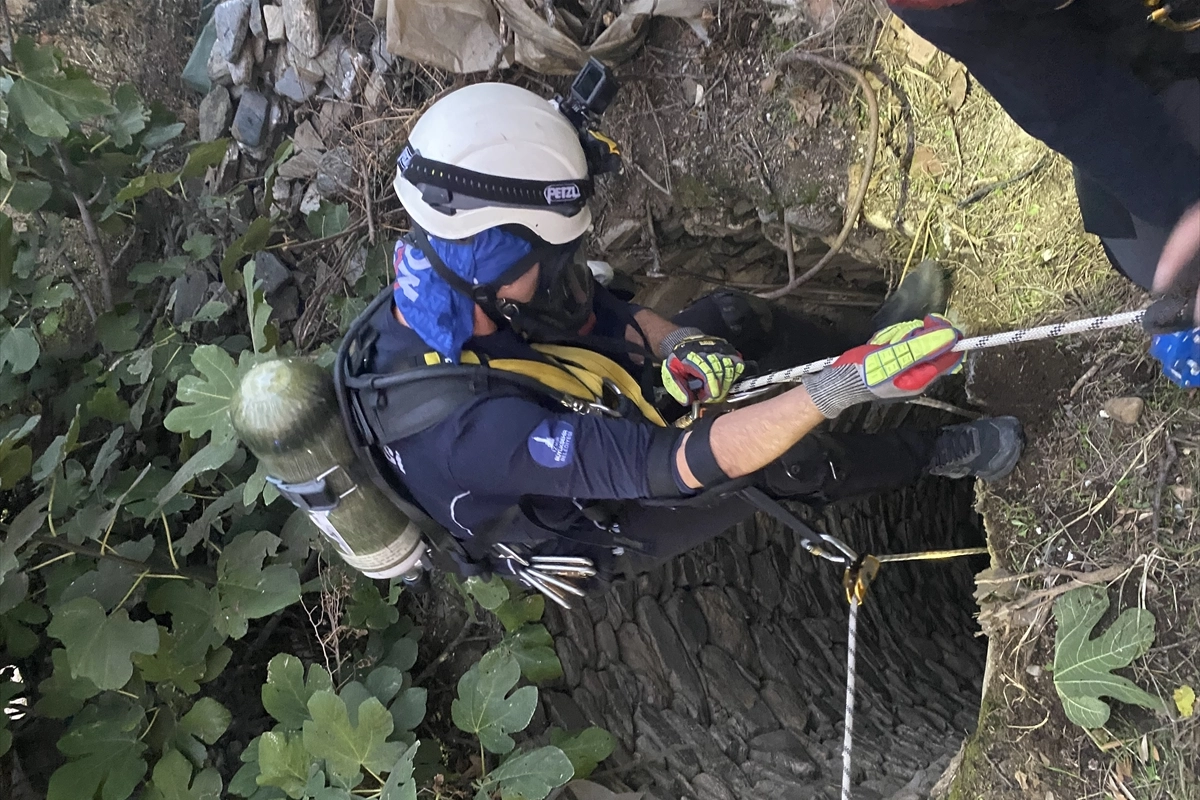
{"points": [[493, 154]]}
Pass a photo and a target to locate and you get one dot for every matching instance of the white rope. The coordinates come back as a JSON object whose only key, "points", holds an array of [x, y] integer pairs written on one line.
{"points": [[848, 737], [794, 374]]}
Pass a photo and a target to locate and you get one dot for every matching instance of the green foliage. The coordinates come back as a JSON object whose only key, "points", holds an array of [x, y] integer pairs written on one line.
{"points": [[173, 780], [486, 708], [246, 589], [347, 745], [285, 695], [204, 399], [490, 594], [99, 646], [528, 776], [1083, 666], [140, 552], [533, 648], [105, 753], [585, 749]]}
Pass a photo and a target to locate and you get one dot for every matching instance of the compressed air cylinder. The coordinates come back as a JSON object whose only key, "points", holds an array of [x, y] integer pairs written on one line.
{"points": [[286, 413]]}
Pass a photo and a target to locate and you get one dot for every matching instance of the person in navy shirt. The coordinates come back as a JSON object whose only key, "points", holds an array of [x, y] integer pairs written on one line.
{"points": [[1119, 95], [495, 180]]}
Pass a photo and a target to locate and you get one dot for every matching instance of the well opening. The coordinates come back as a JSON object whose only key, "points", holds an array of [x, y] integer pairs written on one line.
{"points": [[722, 674]]}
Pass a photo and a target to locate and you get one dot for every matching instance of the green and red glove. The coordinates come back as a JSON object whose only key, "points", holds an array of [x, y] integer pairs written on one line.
{"points": [[901, 360], [698, 368]]}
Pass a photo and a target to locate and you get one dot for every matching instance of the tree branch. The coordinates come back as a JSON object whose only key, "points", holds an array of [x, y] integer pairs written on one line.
{"points": [[205, 576], [93, 235]]}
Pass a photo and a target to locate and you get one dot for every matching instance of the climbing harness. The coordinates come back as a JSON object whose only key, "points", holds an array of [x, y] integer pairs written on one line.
{"points": [[752, 387]]}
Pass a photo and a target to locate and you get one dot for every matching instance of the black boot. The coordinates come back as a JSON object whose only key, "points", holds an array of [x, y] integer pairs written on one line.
{"points": [[987, 448], [923, 291]]}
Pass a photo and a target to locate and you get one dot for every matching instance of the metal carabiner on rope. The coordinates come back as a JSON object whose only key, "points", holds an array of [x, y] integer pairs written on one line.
{"points": [[858, 577], [839, 552]]}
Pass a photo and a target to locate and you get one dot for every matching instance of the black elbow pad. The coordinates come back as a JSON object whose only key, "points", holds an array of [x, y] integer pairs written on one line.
{"points": [[699, 455], [660, 463]]}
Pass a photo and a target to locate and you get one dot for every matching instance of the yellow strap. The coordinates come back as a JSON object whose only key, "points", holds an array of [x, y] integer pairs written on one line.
{"points": [[432, 358], [596, 364], [575, 372]]}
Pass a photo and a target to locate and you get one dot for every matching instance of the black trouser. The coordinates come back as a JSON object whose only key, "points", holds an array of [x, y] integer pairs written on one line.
{"points": [[820, 468], [1131, 243]]}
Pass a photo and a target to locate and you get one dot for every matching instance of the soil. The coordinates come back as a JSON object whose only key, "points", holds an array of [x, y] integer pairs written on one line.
{"points": [[144, 43]]}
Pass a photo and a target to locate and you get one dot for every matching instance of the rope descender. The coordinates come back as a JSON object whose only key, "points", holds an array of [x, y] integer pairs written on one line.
{"points": [[858, 577]]}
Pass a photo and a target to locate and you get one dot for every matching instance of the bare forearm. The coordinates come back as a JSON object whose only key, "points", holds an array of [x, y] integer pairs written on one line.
{"points": [[748, 439]]}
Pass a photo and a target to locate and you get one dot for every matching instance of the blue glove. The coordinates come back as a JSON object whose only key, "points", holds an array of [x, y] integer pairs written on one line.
{"points": [[1180, 356]]}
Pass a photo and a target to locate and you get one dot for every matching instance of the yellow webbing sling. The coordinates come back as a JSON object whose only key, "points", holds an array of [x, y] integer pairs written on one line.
{"points": [[570, 370]]}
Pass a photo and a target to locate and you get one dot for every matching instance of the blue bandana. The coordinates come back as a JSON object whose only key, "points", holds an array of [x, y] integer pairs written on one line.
{"points": [[441, 316], [1180, 356]]}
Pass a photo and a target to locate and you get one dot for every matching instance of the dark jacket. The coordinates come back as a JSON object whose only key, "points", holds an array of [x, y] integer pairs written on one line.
{"points": [[1083, 79]]}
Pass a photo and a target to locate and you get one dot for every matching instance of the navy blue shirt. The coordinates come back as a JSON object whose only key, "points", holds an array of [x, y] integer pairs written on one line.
{"points": [[1080, 80], [493, 452]]}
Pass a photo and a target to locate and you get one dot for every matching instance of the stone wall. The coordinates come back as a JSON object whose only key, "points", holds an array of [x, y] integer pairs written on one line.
{"points": [[722, 674]]}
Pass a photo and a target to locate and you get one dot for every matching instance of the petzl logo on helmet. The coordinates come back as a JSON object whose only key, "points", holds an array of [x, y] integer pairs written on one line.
{"points": [[562, 193], [406, 156]]}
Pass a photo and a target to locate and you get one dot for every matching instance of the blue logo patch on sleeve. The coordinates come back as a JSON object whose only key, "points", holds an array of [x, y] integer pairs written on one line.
{"points": [[552, 444]]}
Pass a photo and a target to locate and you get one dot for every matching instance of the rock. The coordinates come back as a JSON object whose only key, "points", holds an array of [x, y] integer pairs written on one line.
{"points": [[1126, 410], [302, 25], [285, 304], [295, 88], [564, 712], [680, 671], [356, 267], [303, 165], [273, 23], [639, 655], [215, 110], [619, 235], [375, 93], [218, 68], [256, 18], [328, 57], [242, 70], [380, 56], [306, 139], [250, 121], [189, 289], [281, 197], [727, 624], [688, 620], [195, 72], [577, 626], [568, 656], [231, 17], [349, 74], [270, 271], [330, 118], [311, 201], [306, 66], [785, 704], [812, 220], [259, 49], [711, 788], [335, 172], [607, 649]]}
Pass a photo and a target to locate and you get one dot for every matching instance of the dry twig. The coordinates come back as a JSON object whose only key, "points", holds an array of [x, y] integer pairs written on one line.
{"points": [[859, 192], [93, 235]]}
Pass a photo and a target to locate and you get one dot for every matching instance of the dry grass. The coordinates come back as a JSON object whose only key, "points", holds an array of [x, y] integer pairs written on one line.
{"points": [[1019, 254], [1091, 494]]}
